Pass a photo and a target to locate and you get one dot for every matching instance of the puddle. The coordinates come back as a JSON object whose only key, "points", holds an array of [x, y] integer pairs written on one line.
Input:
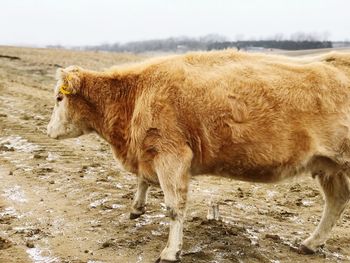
{"points": [[11, 146], [8, 211], [19, 144], [307, 203], [39, 256], [18, 162], [119, 186], [149, 219], [156, 233], [52, 157], [244, 207], [334, 255], [297, 219], [252, 235], [98, 202], [15, 194], [117, 206], [139, 259], [271, 194]]}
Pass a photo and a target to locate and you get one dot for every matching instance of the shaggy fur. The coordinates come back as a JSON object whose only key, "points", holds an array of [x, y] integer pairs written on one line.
{"points": [[247, 116]]}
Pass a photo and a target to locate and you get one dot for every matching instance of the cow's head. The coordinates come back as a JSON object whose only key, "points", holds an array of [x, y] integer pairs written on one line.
{"points": [[68, 118]]}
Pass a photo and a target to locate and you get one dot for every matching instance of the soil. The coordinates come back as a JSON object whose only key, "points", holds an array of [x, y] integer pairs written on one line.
{"points": [[68, 201]]}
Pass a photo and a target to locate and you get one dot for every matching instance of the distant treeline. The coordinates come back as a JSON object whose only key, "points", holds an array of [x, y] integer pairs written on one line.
{"points": [[281, 44], [296, 41], [186, 44]]}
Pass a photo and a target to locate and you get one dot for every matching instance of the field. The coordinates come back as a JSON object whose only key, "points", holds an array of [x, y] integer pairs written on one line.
{"points": [[68, 201]]}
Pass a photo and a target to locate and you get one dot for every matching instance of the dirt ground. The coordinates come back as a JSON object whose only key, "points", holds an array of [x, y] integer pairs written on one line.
{"points": [[68, 201]]}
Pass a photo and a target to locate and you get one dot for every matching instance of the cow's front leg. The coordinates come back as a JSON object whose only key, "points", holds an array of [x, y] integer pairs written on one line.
{"points": [[139, 204], [173, 175]]}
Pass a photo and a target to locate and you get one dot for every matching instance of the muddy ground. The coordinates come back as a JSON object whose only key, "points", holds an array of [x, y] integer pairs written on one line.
{"points": [[68, 201]]}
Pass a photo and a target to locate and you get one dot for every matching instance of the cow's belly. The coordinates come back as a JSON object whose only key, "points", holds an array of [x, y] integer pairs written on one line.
{"points": [[261, 174]]}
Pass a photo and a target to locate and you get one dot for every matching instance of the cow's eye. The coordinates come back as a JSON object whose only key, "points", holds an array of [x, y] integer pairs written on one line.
{"points": [[59, 98]]}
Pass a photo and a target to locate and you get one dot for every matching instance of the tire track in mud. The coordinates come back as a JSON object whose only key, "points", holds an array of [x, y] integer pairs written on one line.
{"points": [[67, 201]]}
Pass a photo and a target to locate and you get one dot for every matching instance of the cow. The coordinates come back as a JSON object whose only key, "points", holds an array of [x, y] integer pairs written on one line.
{"points": [[251, 117]]}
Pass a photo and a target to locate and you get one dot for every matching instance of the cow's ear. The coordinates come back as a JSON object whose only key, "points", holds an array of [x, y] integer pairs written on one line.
{"points": [[70, 79]]}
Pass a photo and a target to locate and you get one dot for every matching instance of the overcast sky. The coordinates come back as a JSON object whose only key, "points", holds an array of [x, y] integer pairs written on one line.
{"points": [[82, 22]]}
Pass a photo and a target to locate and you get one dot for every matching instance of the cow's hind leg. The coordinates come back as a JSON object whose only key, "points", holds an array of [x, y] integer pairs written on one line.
{"points": [[336, 188], [173, 175], [139, 203]]}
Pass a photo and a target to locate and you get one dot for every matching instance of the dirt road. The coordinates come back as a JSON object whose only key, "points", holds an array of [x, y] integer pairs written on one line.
{"points": [[68, 201]]}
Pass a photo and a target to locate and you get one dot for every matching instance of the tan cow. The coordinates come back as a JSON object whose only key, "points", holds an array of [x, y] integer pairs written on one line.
{"points": [[251, 117]]}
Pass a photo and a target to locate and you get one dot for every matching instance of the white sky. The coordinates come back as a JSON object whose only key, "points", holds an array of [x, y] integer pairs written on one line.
{"points": [[81, 22]]}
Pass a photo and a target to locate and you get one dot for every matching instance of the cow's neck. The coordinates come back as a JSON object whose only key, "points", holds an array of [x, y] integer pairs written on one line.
{"points": [[114, 105]]}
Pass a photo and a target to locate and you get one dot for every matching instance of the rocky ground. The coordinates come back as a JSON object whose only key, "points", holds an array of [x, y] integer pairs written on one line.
{"points": [[68, 201]]}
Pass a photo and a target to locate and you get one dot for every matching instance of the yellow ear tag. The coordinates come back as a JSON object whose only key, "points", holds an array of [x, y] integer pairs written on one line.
{"points": [[69, 78], [63, 90]]}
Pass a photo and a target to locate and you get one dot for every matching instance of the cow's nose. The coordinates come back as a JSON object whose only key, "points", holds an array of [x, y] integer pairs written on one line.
{"points": [[52, 136], [49, 132]]}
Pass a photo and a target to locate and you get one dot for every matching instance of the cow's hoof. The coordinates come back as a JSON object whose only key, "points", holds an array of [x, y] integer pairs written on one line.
{"points": [[135, 215], [305, 250], [167, 261]]}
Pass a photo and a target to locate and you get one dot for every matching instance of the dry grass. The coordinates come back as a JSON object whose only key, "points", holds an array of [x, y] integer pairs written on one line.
{"points": [[64, 58]]}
